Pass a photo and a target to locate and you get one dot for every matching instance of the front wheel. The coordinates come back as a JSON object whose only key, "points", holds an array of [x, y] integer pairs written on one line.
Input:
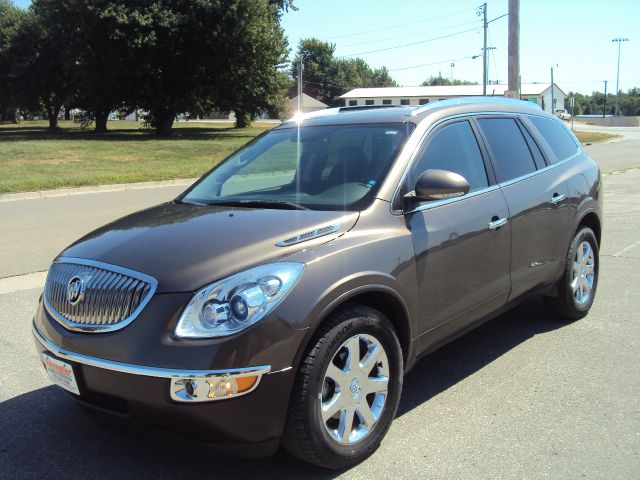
{"points": [[346, 391], [577, 287]]}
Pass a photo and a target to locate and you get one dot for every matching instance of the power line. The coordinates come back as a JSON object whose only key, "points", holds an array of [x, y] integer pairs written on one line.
{"points": [[397, 26], [410, 44], [429, 64], [409, 35]]}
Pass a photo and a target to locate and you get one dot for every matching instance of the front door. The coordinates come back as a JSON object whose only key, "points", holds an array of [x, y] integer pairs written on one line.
{"points": [[462, 245]]}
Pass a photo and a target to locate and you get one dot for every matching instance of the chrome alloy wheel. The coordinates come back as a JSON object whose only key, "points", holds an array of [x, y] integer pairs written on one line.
{"points": [[583, 273], [354, 389]]}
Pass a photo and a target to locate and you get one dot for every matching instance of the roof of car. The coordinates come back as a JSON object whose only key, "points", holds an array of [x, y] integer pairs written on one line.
{"points": [[412, 114]]}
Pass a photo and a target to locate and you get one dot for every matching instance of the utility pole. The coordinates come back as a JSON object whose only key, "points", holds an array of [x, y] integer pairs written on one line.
{"points": [[552, 99], [514, 49], [452, 65], [300, 103], [484, 52], [619, 41], [604, 108]]}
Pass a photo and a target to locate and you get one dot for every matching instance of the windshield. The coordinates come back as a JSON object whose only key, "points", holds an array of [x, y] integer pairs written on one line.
{"points": [[337, 167]]}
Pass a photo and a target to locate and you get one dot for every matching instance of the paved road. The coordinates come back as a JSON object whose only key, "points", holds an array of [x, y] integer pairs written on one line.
{"points": [[521, 397], [622, 155]]}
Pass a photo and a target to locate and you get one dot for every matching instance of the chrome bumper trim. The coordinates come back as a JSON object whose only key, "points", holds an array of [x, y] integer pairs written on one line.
{"points": [[132, 369]]}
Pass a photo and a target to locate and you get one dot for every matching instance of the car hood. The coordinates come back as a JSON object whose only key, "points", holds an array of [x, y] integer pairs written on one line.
{"points": [[187, 246]]}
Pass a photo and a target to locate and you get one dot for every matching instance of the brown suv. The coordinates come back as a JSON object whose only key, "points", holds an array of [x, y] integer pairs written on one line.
{"points": [[280, 299]]}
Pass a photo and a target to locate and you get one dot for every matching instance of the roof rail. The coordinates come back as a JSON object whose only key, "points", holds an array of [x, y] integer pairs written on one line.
{"points": [[473, 100], [368, 107]]}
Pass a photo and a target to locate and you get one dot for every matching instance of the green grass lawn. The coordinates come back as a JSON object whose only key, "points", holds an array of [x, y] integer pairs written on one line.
{"points": [[33, 158], [594, 137]]}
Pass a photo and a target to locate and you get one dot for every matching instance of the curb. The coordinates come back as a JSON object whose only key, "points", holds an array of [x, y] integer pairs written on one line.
{"points": [[64, 192]]}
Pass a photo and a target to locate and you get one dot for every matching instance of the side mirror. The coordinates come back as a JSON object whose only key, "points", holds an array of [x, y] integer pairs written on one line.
{"points": [[440, 185]]}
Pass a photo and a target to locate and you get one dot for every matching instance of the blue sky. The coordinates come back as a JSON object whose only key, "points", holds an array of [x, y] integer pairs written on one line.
{"points": [[573, 36]]}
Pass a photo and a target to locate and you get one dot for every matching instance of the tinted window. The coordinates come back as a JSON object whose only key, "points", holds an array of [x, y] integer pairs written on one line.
{"points": [[533, 148], [404, 101], [510, 151], [423, 101], [454, 148], [560, 141]]}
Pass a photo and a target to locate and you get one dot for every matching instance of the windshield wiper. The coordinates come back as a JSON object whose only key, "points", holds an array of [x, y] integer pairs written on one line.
{"points": [[280, 204]]}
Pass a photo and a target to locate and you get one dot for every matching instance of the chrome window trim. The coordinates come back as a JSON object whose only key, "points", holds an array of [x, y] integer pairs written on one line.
{"points": [[132, 369], [439, 203], [88, 328]]}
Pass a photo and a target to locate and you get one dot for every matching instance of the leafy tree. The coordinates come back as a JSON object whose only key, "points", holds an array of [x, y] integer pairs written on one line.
{"points": [[252, 77], [12, 20], [49, 62], [326, 77], [440, 80], [196, 55]]}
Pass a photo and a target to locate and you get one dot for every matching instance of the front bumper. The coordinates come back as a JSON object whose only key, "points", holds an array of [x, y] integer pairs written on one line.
{"points": [[150, 395]]}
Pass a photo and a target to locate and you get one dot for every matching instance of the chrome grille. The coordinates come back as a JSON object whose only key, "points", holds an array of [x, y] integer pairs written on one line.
{"points": [[95, 297]]}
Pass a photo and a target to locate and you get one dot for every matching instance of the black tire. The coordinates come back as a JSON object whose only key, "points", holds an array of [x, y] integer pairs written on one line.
{"points": [[305, 435], [565, 305]]}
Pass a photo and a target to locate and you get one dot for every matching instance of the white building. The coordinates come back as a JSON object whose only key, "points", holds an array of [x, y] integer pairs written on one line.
{"points": [[539, 93]]}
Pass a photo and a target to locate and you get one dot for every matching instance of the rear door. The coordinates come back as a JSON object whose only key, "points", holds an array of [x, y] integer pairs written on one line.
{"points": [[537, 200]]}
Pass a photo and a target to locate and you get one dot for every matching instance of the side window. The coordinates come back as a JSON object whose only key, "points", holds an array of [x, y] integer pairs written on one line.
{"points": [[558, 138], [510, 151], [454, 147], [533, 148]]}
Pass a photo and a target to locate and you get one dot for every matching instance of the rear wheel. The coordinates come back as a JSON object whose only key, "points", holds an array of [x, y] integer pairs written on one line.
{"points": [[347, 390], [577, 287]]}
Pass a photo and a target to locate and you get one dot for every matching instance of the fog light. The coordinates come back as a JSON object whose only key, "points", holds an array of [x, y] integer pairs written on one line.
{"points": [[190, 387], [214, 387], [222, 387]]}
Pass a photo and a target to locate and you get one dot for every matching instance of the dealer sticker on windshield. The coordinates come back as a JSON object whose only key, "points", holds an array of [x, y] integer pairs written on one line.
{"points": [[60, 373]]}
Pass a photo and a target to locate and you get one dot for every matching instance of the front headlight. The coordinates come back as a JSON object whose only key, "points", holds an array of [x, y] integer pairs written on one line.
{"points": [[236, 302]]}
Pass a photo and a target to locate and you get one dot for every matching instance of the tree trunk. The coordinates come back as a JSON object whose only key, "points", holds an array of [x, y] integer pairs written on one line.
{"points": [[241, 120], [164, 123], [15, 115], [67, 112], [101, 122], [52, 114]]}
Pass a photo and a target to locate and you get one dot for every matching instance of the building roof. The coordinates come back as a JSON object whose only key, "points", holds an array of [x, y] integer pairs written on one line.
{"points": [[307, 102], [443, 91]]}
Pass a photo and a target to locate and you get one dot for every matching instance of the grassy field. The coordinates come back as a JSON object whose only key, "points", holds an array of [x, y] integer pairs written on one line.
{"points": [[594, 137], [33, 158]]}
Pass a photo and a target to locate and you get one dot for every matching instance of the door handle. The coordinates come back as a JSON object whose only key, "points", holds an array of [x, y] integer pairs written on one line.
{"points": [[556, 199], [496, 223]]}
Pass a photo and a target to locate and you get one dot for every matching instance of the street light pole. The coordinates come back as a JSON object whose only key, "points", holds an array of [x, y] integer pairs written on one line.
{"points": [[619, 41]]}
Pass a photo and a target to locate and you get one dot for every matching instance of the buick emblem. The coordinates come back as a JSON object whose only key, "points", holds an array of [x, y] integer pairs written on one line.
{"points": [[75, 290]]}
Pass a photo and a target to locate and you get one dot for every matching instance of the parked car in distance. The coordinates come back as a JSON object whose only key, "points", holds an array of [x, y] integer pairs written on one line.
{"points": [[563, 115], [280, 300]]}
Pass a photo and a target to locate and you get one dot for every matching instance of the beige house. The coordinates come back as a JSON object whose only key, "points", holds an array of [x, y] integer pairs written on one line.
{"points": [[309, 104]]}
